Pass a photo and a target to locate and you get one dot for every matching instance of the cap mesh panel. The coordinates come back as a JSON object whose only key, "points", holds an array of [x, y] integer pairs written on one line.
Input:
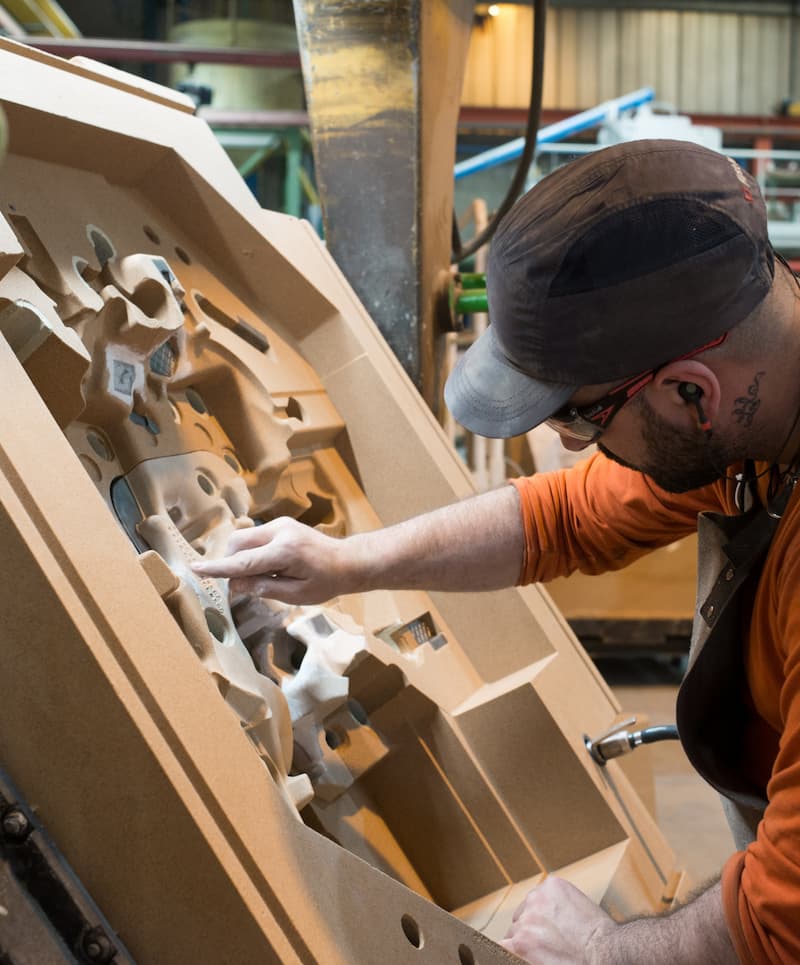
{"points": [[639, 240]]}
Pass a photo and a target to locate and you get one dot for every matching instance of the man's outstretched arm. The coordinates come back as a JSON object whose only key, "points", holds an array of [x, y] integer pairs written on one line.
{"points": [[476, 544], [559, 925]]}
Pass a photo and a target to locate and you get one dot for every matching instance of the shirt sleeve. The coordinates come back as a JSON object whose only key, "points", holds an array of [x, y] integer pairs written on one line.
{"points": [[599, 516]]}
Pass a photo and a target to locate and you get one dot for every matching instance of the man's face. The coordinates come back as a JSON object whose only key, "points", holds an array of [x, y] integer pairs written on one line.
{"points": [[676, 458]]}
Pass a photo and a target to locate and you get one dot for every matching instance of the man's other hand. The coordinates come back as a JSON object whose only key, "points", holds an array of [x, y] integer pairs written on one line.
{"points": [[557, 925]]}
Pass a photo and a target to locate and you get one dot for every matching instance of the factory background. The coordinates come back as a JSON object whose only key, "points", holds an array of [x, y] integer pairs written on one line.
{"points": [[720, 71]]}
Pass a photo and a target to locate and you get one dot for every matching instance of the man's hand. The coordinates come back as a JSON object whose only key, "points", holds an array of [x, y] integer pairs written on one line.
{"points": [[557, 925], [287, 561], [476, 544]]}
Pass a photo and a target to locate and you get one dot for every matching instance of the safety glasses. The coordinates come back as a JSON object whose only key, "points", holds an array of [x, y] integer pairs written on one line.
{"points": [[587, 422]]}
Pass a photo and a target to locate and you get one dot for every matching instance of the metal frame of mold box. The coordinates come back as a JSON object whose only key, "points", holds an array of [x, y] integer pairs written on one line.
{"points": [[377, 779]]}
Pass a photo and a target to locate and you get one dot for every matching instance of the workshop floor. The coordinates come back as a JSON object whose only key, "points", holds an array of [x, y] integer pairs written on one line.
{"points": [[687, 810]]}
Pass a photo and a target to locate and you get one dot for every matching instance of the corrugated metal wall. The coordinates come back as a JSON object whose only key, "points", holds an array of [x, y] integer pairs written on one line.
{"points": [[712, 63]]}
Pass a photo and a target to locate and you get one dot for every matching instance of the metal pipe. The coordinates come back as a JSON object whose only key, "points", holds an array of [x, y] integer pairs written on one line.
{"points": [[472, 279], [472, 300], [554, 132], [619, 740], [152, 51]]}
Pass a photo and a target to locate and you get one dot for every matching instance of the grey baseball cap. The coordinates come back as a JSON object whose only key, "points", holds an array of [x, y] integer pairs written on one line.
{"points": [[614, 264]]}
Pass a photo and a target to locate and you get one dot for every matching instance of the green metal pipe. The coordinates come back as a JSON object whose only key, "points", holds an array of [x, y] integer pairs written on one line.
{"points": [[472, 279], [472, 301]]}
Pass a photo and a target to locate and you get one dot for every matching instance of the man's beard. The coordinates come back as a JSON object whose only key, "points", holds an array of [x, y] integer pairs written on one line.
{"points": [[675, 459]]}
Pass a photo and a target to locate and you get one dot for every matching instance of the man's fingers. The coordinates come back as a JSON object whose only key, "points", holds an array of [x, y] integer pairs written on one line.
{"points": [[266, 586], [248, 562], [249, 538]]}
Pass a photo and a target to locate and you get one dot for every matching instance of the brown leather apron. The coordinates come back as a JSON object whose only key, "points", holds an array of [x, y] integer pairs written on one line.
{"points": [[712, 711]]}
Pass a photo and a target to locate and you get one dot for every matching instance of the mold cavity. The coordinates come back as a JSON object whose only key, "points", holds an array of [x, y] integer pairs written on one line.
{"points": [[195, 400], [288, 652], [217, 624], [465, 955], [128, 512], [92, 468], [151, 234], [320, 511], [83, 270], [182, 255], [297, 655], [236, 325], [232, 462], [165, 271], [333, 738], [322, 625], [412, 931], [151, 297], [205, 484], [291, 410], [145, 422], [101, 447], [357, 712], [101, 244], [162, 361], [175, 514]]}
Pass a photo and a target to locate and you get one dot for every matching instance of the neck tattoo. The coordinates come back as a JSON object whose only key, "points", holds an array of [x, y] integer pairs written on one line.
{"points": [[747, 405]]}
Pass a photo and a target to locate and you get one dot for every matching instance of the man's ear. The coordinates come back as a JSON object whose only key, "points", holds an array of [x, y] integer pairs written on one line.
{"points": [[689, 386]]}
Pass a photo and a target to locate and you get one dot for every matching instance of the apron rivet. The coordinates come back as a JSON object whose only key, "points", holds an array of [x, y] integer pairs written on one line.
{"points": [[710, 611], [729, 574]]}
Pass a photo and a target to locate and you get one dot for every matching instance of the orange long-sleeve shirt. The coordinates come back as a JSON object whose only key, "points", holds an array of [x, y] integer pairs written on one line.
{"points": [[600, 516]]}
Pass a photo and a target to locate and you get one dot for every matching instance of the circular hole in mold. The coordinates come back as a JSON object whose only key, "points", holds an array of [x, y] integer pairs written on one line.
{"points": [[357, 711], [199, 549], [333, 738], [412, 931], [195, 400], [231, 461], [182, 255], [100, 445], [175, 514], [465, 955], [217, 624], [205, 484], [92, 468], [151, 234]]}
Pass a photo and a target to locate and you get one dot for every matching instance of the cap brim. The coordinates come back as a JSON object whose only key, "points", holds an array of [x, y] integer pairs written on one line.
{"points": [[489, 396]]}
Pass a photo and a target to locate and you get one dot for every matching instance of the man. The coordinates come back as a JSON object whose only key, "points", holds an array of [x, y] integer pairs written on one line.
{"points": [[636, 303]]}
